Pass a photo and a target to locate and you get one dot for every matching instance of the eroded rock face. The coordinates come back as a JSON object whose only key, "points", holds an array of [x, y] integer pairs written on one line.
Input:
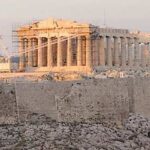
{"points": [[41, 133]]}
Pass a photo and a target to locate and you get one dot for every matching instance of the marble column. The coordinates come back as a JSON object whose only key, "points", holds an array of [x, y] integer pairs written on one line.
{"points": [[148, 47], [123, 52], [79, 54], [116, 50], [109, 52], [136, 57], [88, 51], [40, 52], [30, 53], [148, 55], [143, 56], [49, 53], [34, 51], [102, 51], [69, 52], [25, 47], [95, 51], [21, 55], [59, 52], [130, 52], [26, 52]]}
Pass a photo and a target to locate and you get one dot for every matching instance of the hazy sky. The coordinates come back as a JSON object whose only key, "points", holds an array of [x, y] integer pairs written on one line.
{"points": [[132, 14]]}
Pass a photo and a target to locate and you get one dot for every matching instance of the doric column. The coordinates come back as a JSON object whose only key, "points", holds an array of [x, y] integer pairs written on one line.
{"points": [[69, 52], [88, 51], [143, 55], [59, 53], [49, 53], [109, 52], [34, 52], [21, 55], [102, 52], [95, 51], [39, 52], [136, 56], [79, 62], [26, 52], [148, 54], [30, 53], [148, 47], [123, 52], [130, 52], [116, 49]]}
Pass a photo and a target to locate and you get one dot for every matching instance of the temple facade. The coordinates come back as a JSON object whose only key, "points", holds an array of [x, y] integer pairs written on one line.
{"points": [[60, 45]]}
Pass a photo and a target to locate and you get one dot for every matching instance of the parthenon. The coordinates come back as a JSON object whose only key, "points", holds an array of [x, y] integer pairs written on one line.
{"points": [[60, 45]]}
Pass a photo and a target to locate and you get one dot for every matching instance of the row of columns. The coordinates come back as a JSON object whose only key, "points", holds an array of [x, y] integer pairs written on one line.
{"points": [[25, 51], [126, 52], [29, 48]]}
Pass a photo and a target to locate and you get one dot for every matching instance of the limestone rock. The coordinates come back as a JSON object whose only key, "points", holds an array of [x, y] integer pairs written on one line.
{"points": [[40, 132]]}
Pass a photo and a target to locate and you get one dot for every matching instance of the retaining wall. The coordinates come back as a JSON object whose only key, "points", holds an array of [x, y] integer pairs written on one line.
{"points": [[87, 100], [8, 107], [76, 101]]}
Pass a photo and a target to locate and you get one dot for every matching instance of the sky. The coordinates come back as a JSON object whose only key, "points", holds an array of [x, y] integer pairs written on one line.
{"points": [[130, 14]]}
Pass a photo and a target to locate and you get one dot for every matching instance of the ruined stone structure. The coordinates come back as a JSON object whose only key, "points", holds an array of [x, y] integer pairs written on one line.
{"points": [[59, 45], [95, 100]]}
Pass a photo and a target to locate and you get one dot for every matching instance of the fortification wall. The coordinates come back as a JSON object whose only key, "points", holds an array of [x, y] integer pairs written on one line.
{"points": [[141, 96], [87, 100], [8, 106]]}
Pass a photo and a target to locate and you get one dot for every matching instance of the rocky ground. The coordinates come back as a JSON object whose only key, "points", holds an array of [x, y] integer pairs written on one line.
{"points": [[41, 133], [119, 73], [66, 76], [101, 74]]}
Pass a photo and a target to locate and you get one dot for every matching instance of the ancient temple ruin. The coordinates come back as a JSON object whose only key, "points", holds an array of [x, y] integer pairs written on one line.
{"points": [[60, 45]]}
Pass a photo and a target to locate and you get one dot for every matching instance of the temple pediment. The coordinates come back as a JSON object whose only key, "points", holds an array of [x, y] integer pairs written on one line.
{"points": [[59, 23], [56, 23]]}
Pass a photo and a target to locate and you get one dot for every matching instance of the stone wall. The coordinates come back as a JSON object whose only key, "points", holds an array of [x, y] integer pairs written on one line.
{"points": [[86, 100], [8, 105], [141, 96]]}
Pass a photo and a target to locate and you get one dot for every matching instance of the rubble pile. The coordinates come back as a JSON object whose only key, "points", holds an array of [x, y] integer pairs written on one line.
{"points": [[103, 74], [67, 76], [61, 76], [42, 133], [112, 73]]}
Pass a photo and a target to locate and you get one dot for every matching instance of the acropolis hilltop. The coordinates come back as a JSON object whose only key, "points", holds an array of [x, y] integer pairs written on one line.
{"points": [[75, 75], [59, 45]]}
